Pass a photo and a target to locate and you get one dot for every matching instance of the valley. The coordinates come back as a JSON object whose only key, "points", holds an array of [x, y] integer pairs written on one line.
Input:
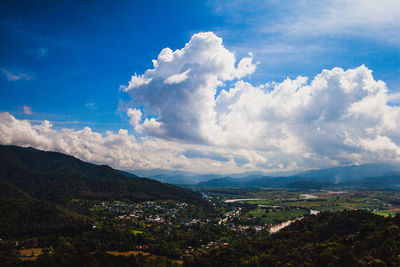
{"points": [[57, 209], [173, 231]]}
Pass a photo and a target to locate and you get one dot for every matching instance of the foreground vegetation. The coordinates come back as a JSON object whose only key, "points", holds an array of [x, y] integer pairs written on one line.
{"points": [[347, 238]]}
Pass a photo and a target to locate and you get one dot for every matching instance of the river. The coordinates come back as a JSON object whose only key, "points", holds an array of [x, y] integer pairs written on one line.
{"points": [[241, 199], [278, 227], [308, 196]]}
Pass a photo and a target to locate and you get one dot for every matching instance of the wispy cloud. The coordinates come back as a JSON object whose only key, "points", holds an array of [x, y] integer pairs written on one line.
{"points": [[369, 18], [304, 19], [15, 76], [27, 110], [311, 33], [394, 98], [91, 105]]}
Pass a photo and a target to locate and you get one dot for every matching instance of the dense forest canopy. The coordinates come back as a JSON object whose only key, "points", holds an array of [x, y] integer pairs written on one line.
{"points": [[348, 238]]}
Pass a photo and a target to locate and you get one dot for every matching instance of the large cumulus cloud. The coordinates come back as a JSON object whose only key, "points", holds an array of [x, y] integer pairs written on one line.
{"points": [[342, 116], [338, 117], [181, 88], [184, 114]]}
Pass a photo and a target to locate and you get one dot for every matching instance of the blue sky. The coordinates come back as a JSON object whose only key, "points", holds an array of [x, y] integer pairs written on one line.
{"points": [[65, 62], [76, 54]]}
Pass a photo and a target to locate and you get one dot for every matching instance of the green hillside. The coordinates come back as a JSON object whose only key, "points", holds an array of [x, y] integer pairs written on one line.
{"points": [[58, 177], [24, 216]]}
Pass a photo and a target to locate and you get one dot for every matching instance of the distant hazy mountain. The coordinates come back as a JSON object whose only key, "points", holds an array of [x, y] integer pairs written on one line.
{"points": [[362, 175], [189, 178], [223, 182], [350, 173], [389, 181], [175, 176], [258, 174]]}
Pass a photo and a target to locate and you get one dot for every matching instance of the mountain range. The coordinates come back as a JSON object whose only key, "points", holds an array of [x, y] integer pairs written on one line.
{"points": [[190, 178], [377, 176], [343, 175]]}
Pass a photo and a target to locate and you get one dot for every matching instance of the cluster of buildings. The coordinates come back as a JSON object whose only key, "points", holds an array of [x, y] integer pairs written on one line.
{"points": [[149, 212]]}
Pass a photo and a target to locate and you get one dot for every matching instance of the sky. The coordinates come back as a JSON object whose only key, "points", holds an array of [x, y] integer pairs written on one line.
{"points": [[203, 86]]}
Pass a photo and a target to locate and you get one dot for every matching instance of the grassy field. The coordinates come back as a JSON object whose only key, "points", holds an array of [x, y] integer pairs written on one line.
{"points": [[274, 216], [386, 213], [136, 232]]}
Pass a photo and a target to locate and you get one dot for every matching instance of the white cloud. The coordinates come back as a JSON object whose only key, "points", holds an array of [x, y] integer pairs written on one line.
{"points": [[120, 150], [117, 149], [337, 117], [177, 78], [135, 115], [136, 81], [294, 123], [315, 119], [181, 88]]}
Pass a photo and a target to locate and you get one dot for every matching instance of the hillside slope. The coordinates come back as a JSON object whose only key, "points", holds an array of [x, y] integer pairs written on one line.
{"points": [[58, 177], [22, 215]]}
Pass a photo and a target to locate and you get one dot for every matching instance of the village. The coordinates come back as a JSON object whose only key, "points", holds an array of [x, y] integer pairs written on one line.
{"points": [[149, 212], [175, 215], [178, 220]]}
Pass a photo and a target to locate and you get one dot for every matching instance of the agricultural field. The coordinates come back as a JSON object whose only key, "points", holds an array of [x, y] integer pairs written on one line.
{"points": [[273, 216], [272, 206]]}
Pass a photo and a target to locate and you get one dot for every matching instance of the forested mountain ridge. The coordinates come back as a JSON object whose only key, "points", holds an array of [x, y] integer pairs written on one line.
{"points": [[56, 177]]}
